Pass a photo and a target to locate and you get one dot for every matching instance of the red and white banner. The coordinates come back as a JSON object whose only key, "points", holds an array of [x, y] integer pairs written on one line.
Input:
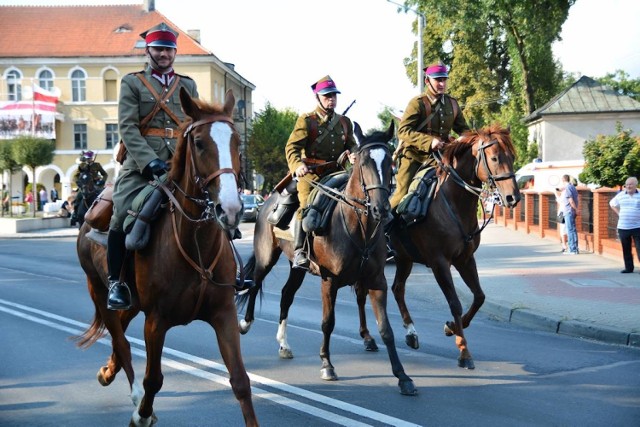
{"points": [[35, 117]]}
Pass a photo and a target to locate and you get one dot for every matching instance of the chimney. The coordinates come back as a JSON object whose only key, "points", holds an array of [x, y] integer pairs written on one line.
{"points": [[149, 5], [194, 34]]}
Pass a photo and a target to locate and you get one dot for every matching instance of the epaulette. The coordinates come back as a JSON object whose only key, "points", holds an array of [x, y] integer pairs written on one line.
{"points": [[135, 72], [182, 76]]}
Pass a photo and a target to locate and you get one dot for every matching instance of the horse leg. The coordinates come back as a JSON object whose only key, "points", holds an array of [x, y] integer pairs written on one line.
{"points": [[442, 272], [329, 293], [296, 276], [379, 303], [229, 345], [469, 274], [361, 298], [260, 271], [155, 332], [403, 270], [117, 323]]}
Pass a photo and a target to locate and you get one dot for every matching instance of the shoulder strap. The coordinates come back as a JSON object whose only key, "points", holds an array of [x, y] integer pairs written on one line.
{"points": [[456, 108], [345, 127], [160, 103], [428, 113], [313, 127]]}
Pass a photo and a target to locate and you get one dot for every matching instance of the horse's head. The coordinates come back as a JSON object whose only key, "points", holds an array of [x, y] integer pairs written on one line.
{"points": [[206, 164], [85, 183], [495, 154], [373, 166]]}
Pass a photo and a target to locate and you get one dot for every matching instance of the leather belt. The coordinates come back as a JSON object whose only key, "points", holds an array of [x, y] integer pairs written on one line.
{"points": [[312, 161], [168, 133]]}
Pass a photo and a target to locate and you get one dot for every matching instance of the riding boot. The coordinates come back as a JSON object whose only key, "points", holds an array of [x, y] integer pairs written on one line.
{"points": [[391, 253], [300, 259], [119, 293]]}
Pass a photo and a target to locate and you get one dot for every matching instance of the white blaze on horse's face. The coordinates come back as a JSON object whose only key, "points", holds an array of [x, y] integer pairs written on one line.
{"points": [[378, 155], [228, 196]]}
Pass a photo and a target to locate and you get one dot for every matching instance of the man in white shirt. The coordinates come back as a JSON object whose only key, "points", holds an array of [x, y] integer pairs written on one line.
{"points": [[627, 205]]}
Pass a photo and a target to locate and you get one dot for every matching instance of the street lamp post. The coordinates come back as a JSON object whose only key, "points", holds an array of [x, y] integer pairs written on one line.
{"points": [[420, 66]]}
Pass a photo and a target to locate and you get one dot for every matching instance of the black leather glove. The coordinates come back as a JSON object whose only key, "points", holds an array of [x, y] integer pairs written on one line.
{"points": [[155, 168]]}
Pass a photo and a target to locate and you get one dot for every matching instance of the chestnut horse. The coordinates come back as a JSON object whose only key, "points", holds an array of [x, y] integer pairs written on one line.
{"points": [[188, 269], [352, 251], [450, 233]]}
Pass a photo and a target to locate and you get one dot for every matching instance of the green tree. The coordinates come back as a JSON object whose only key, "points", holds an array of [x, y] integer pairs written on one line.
{"points": [[267, 139], [33, 152], [8, 163], [611, 159], [621, 83]]}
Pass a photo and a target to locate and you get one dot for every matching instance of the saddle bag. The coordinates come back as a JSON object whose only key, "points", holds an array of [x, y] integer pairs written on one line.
{"points": [[99, 214], [316, 217], [414, 205], [144, 210]]}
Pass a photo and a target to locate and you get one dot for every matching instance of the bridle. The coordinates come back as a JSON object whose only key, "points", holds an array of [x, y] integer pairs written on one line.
{"points": [[210, 210], [480, 159], [369, 240]]}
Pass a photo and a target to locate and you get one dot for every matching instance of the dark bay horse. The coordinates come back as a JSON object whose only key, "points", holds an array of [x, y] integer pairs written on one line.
{"points": [[188, 269], [352, 251], [450, 234]]}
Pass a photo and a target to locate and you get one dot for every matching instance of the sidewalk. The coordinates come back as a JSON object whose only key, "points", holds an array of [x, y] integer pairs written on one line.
{"points": [[529, 282]]}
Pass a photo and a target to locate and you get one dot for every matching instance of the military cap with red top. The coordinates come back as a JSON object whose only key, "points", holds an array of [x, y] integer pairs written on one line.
{"points": [[324, 86], [161, 36], [436, 71]]}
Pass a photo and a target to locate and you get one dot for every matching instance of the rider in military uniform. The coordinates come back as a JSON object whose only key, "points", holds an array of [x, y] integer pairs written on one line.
{"points": [[149, 148], [318, 137], [93, 168], [425, 127]]}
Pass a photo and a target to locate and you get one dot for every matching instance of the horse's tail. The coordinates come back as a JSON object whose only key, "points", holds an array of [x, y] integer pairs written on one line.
{"points": [[249, 269], [93, 333]]}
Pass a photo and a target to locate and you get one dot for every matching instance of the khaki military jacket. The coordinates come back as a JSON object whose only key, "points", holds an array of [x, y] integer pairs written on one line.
{"points": [[417, 142], [330, 143], [136, 102]]}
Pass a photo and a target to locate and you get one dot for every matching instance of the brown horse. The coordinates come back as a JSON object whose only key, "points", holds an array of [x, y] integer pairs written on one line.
{"points": [[352, 251], [450, 233], [188, 269]]}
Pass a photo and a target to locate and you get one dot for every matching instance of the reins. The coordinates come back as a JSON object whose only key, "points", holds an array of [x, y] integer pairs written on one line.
{"points": [[476, 191], [208, 214]]}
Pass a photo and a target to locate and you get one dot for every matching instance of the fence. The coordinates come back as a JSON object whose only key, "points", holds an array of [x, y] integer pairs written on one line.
{"points": [[596, 222]]}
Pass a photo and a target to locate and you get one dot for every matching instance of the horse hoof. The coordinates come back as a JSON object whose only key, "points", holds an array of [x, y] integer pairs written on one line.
{"points": [[448, 331], [143, 422], [244, 326], [412, 341], [407, 388], [370, 345], [466, 363], [285, 353], [328, 374], [101, 377]]}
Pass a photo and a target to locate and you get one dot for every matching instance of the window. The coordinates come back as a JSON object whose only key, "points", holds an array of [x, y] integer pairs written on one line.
{"points": [[110, 86], [111, 135], [78, 86], [80, 136], [14, 87], [45, 80]]}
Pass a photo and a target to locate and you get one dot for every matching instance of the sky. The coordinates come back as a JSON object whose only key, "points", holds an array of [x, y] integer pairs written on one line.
{"points": [[284, 46]]}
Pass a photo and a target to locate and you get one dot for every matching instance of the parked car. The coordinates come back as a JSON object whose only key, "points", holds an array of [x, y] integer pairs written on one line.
{"points": [[252, 204]]}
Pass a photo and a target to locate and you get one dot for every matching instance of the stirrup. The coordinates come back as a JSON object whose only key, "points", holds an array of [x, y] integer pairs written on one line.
{"points": [[300, 260], [119, 297]]}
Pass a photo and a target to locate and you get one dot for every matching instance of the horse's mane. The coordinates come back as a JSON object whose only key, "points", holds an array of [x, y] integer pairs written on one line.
{"points": [[467, 139], [178, 161]]}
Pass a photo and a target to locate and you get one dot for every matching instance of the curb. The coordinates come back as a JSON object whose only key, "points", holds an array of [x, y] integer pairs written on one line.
{"points": [[575, 328]]}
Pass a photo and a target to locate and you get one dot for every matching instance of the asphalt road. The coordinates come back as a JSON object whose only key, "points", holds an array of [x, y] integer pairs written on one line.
{"points": [[523, 377]]}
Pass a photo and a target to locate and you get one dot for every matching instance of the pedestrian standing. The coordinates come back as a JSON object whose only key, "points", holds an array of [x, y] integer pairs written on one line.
{"points": [[627, 205], [570, 212]]}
